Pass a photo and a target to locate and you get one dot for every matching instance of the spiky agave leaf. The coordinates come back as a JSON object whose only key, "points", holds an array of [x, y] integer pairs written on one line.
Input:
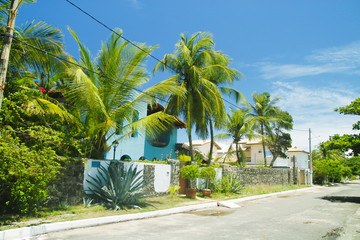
{"points": [[117, 188]]}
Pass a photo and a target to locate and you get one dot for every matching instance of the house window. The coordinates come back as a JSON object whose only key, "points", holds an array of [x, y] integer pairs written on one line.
{"points": [[161, 140], [134, 132]]}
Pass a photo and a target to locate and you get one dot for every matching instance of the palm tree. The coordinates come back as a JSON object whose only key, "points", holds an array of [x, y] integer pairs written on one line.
{"points": [[103, 92], [264, 111], [193, 62], [29, 65], [239, 124]]}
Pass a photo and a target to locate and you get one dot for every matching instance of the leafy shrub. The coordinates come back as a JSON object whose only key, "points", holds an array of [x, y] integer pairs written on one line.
{"points": [[117, 189], [190, 171], [24, 175], [208, 174], [228, 184], [329, 170]]}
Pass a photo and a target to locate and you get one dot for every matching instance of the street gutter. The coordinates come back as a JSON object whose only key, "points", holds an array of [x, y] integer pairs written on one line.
{"points": [[34, 231]]}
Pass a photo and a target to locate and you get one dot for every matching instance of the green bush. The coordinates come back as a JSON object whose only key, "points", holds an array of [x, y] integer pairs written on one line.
{"points": [[190, 172], [228, 184], [117, 189], [329, 170], [24, 175], [208, 174]]}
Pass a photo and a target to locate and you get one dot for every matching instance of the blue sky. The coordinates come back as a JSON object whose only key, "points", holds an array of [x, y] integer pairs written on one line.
{"points": [[306, 52]]}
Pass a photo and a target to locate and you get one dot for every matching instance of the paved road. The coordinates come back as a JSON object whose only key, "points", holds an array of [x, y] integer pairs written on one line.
{"points": [[326, 213]]}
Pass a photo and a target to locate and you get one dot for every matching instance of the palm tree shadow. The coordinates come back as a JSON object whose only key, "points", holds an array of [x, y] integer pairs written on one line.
{"points": [[351, 199]]}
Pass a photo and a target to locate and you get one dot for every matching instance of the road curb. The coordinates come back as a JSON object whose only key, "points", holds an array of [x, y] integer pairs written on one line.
{"points": [[31, 232]]}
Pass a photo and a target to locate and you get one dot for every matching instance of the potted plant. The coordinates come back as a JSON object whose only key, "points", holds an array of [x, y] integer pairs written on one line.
{"points": [[190, 172], [208, 174]]}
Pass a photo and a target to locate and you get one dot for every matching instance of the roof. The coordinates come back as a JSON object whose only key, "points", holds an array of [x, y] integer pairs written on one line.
{"points": [[295, 149], [202, 142], [251, 142], [157, 107]]}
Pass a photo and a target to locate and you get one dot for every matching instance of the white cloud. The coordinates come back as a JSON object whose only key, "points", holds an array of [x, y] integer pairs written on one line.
{"points": [[349, 54], [345, 59], [286, 71], [314, 108]]}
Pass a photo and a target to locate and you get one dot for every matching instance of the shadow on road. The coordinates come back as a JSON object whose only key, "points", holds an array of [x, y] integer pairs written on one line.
{"points": [[342, 199]]}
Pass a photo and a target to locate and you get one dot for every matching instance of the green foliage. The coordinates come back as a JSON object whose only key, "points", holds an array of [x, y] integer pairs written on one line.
{"points": [[330, 170], [354, 164], [343, 143], [228, 184], [347, 141], [24, 175], [208, 174], [184, 158], [109, 96], [197, 69], [173, 189], [117, 189], [264, 112], [38, 131], [190, 172]]}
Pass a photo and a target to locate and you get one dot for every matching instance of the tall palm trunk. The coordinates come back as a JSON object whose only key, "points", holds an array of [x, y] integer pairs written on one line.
{"points": [[237, 153], [263, 143], [211, 141], [188, 126]]}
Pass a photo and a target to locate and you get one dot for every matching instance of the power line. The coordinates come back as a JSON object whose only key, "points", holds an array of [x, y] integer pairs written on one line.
{"points": [[82, 67], [120, 35]]}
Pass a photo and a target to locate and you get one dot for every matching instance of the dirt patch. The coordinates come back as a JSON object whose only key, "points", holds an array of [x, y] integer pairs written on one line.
{"points": [[220, 211]]}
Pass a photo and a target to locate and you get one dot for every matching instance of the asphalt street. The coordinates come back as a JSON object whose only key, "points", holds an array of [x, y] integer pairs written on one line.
{"points": [[319, 213]]}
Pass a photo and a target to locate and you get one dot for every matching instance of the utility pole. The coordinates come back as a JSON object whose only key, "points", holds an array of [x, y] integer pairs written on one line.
{"points": [[311, 169], [4, 58]]}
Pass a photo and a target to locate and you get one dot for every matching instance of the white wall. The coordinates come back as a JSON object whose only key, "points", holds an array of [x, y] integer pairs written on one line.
{"points": [[162, 173]]}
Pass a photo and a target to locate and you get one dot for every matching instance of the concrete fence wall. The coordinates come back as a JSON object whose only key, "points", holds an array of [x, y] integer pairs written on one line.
{"points": [[161, 176], [254, 176], [158, 176]]}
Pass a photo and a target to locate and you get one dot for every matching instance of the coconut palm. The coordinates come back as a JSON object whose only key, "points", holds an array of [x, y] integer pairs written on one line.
{"points": [[193, 62], [104, 91], [239, 124], [219, 74], [29, 65], [264, 111]]}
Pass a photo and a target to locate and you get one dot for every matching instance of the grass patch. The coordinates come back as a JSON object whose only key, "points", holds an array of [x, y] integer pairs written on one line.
{"points": [[69, 213]]}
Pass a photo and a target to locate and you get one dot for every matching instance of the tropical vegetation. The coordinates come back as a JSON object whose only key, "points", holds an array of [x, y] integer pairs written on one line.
{"points": [[58, 108]]}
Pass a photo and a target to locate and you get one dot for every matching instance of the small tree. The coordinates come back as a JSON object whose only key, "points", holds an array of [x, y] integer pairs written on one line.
{"points": [[190, 172], [208, 174]]}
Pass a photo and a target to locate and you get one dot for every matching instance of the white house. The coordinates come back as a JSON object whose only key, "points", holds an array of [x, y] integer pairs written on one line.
{"points": [[254, 155], [203, 147]]}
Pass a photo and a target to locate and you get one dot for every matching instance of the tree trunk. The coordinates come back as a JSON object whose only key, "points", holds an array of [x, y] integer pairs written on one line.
{"points": [[237, 153], [263, 143], [4, 59], [211, 141], [273, 161], [188, 126]]}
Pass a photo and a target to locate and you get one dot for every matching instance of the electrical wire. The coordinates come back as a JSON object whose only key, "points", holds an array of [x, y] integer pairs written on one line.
{"points": [[120, 35], [82, 67]]}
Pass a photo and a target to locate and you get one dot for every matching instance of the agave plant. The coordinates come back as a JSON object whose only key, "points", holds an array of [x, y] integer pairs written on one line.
{"points": [[116, 188]]}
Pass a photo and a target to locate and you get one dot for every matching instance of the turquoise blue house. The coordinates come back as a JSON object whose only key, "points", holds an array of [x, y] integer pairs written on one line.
{"points": [[139, 146]]}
